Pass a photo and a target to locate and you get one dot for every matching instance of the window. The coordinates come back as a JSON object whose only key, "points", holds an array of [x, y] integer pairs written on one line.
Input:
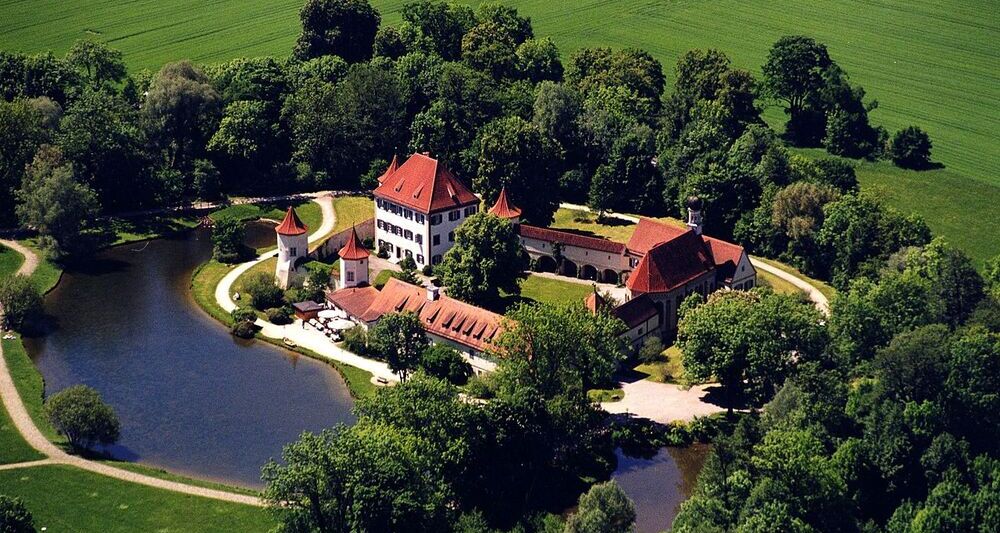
{"points": [[454, 215], [435, 220], [436, 259], [408, 214], [379, 224], [633, 262], [350, 276], [409, 253], [471, 210], [291, 252], [419, 238], [451, 236], [420, 259], [437, 240], [420, 218], [408, 235]]}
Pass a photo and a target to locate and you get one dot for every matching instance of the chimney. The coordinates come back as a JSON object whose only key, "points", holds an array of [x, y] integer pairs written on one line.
{"points": [[433, 293], [694, 205]]}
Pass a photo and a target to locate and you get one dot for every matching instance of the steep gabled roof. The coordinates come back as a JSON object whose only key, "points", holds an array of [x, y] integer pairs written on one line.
{"points": [[353, 250], [571, 239], [503, 208], [291, 225], [594, 302], [636, 311], [423, 184], [355, 300], [671, 264], [648, 233], [393, 166]]}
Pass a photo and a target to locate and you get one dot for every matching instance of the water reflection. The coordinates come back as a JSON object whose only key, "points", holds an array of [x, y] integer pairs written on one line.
{"points": [[191, 398], [660, 484]]}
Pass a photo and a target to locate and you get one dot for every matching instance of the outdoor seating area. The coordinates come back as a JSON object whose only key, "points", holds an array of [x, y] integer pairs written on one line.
{"points": [[328, 321]]}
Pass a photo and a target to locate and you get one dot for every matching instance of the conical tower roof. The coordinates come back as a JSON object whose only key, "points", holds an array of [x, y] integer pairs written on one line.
{"points": [[353, 250], [503, 208], [392, 168], [291, 225]]}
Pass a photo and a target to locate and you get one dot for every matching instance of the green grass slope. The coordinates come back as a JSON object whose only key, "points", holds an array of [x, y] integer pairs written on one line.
{"points": [[929, 63]]}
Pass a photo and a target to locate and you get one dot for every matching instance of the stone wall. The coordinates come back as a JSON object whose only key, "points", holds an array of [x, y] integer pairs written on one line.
{"points": [[333, 244]]}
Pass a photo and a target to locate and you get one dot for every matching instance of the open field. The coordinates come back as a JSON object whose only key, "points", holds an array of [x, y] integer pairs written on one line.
{"points": [[929, 63], [90, 502], [352, 210], [10, 261]]}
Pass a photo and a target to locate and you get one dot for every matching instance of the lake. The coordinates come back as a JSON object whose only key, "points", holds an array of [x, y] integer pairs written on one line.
{"points": [[192, 399], [660, 484]]}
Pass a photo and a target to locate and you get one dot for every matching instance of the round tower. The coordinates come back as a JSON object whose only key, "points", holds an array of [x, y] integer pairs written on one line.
{"points": [[694, 205], [293, 247], [353, 262]]}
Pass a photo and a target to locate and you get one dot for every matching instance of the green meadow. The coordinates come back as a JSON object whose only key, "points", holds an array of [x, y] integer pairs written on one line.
{"points": [[929, 63]]}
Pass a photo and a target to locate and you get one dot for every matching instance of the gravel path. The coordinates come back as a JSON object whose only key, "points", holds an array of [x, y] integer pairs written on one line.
{"points": [[34, 437]]}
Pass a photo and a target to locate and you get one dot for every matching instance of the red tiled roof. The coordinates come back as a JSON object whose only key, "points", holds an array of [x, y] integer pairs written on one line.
{"points": [[671, 264], [445, 317], [503, 208], [291, 225], [648, 233], [355, 300], [421, 183], [571, 239], [636, 311], [594, 302], [353, 250], [392, 168]]}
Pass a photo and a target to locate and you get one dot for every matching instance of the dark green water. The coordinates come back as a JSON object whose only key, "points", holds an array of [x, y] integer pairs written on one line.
{"points": [[660, 484], [192, 399]]}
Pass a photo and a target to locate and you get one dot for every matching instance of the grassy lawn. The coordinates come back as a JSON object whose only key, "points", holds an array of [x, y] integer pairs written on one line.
{"points": [[554, 291], [777, 284], [823, 287], [63, 498], [152, 226], [30, 386], [203, 282], [163, 474], [47, 275], [10, 261], [382, 278], [309, 212], [351, 210], [13, 448], [586, 223], [668, 369], [605, 395]]}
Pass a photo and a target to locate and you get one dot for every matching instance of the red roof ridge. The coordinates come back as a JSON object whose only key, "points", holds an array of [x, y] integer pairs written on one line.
{"points": [[392, 168], [353, 250], [571, 239], [503, 208], [671, 264], [424, 184], [291, 225]]}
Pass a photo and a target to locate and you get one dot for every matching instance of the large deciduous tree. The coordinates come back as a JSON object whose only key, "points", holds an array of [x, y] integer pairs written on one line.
{"points": [[794, 73], [339, 27], [399, 340], [22, 131], [487, 258], [636, 70], [98, 62], [749, 341], [605, 508], [440, 26], [20, 300], [183, 109], [81, 415]]}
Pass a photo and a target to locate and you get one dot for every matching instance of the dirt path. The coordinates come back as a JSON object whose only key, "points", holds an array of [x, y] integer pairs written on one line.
{"points": [[34, 437]]}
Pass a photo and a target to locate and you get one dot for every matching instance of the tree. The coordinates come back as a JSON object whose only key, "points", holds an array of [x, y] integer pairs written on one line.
{"points": [[80, 414], [101, 64], [337, 27], [443, 361], [368, 477], [263, 290], [797, 211], [183, 111], [399, 340], [555, 114], [652, 349], [749, 341], [389, 43], [487, 258], [489, 47], [227, 239], [248, 146], [794, 73], [14, 516], [538, 60], [513, 154], [440, 26], [635, 70], [629, 181], [911, 148], [952, 277], [408, 271], [53, 203], [605, 508], [560, 350], [22, 132], [20, 302], [243, 322], [837, 173]]}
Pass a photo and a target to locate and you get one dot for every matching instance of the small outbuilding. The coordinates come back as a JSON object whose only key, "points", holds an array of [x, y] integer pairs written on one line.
{"points": [[307, 310]]}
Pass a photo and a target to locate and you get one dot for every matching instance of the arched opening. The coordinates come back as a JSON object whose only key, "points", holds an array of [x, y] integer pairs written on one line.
{"points": [[545, 263], [569, 268], [609, 276], [588, 272]]}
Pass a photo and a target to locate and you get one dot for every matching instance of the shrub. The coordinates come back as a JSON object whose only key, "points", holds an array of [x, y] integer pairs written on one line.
{"points": [[481, 386], [244, 330], [356, 340], [651, 349], [382, 254], [79, 413], [20, 300], [14, 516], [428, 270], [911, 148], [243, 314], [445, 362], [263, 291], [279, 315]]}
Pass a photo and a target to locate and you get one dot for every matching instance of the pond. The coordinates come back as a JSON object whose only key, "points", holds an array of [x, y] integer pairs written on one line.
{"points": [[660, 484], [191, 398]]}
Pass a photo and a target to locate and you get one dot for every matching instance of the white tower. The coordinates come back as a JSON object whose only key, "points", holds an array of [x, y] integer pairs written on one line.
{"points": [[293, 247], [353, 263], [694, 205]]}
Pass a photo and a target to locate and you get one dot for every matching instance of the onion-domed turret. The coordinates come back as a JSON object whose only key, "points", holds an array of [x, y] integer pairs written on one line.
{"points": [[694, 205], [694, 202]]}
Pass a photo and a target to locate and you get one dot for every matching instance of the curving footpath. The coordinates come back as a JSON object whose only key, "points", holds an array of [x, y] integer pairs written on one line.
{"points": [[305, 338], [55, 455]]}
